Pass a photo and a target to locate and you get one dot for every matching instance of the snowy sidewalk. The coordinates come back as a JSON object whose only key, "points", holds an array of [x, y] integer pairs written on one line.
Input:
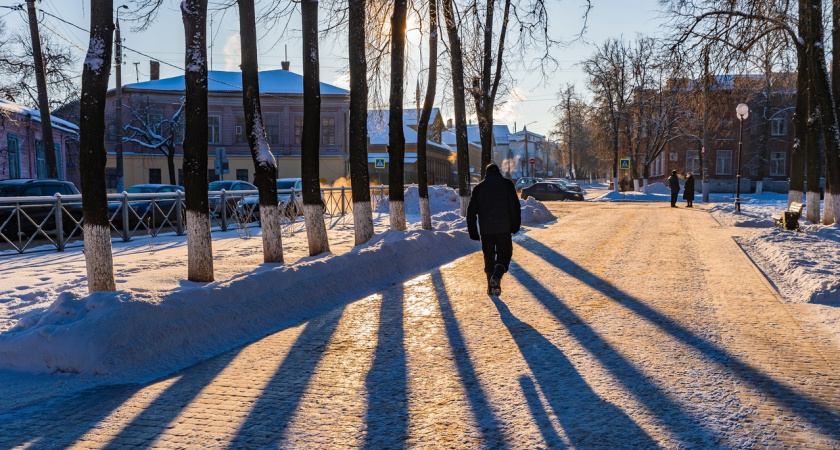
{"points": [[619, 326]]}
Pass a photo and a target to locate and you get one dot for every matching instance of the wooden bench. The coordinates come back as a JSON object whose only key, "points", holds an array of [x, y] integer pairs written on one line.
{"points": [[789, 219]]}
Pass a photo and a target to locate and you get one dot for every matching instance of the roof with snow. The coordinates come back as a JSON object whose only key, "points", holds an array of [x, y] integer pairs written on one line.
{"points": [[411, 116], [378, 128], [501, 133], [271, 82], [35, 115]]}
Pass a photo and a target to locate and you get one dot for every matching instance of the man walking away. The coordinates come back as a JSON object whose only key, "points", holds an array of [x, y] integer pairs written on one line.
{"points": [[495, 203], [674, 184]]}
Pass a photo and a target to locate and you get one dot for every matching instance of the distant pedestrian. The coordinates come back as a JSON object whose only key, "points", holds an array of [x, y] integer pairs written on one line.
{"points": [[674, 185], [496, 205], [623, 184], [688, 190]]}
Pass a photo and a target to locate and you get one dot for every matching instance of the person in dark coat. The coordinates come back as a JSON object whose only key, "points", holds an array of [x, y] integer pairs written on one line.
{"points": [[674, 185], [688, 190], [495, 204]]}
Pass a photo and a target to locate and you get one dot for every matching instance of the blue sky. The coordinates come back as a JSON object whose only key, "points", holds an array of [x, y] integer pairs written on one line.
{"points": [[164, 41]]}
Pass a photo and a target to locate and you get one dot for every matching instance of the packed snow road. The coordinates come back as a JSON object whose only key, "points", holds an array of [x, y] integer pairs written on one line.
{"points": [[619, 326]]}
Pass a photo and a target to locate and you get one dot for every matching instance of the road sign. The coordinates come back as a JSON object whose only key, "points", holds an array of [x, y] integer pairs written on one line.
{"points": [[532, 161], [378, 163], [221, 166], [624, 163]]}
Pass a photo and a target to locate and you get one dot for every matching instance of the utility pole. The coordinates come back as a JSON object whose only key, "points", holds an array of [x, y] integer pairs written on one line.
{"points": [[136, 72], [47, 144], [118, 146]]}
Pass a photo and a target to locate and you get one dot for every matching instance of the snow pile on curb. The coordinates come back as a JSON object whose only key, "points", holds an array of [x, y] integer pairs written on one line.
{"points": [[534, 212], [751, 216], [441, 199], [124, 336], [632, 196], [659, 188], [790, 260]]}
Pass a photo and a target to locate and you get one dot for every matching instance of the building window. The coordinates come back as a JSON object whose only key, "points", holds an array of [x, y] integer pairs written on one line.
{"points": [[155, 120], [272, 129], [110, 131], [777, 163], [242, 174], [214, 130], [59, 166], [154, 176], [778, 126], [212, 175], [180, 128], [239, 131], [327, 130], [40, 160], [298, 129], [723, 164], [14, 156], [692, 161], [110, 178]]}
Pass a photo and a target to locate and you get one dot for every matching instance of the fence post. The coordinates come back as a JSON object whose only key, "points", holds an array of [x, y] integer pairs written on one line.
{"points": [[223, 205], [59, 222], [343, 199], [126, 226], [179, 215]]}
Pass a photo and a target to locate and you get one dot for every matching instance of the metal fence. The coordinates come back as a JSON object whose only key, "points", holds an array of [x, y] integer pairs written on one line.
{"points": [[53, 223]]}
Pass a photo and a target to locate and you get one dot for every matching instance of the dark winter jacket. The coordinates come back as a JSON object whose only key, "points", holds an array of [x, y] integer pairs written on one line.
{"points": [[496, 205], [688, 189], [674, 183]]}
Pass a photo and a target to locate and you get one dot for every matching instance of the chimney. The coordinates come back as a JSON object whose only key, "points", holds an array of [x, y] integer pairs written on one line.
{"points": [[284, 65], [449, 123], [154, 70]]}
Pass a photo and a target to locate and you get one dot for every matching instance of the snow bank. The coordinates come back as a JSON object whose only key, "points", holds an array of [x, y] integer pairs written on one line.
{"points": [[534, 212], [128, 336], [441, 199], [804, 266], [659, 188]]}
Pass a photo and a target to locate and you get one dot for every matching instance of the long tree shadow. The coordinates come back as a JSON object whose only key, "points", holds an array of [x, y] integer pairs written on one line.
{"points": [[273, 412], [386, 383], [690, 429], [540, 415], [483, 413], [816, 413], [587, 419]]}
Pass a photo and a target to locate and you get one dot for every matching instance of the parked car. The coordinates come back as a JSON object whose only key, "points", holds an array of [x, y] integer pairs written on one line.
{"points": [[285, 187], [31, 215], [570, 185], [215, 200], [145, 208], [524, 182], [545, 191]]}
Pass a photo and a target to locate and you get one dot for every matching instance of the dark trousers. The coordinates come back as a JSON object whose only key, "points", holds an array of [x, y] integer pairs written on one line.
{"points": [[674, 198], [498, 249]]}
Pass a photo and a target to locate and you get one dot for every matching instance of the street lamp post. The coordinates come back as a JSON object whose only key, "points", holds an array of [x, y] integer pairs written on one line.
{"points": [[527, 158], [743, 111]]}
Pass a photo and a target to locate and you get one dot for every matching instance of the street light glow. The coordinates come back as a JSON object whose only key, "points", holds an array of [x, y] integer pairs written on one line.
{"points": [[743, 111]]}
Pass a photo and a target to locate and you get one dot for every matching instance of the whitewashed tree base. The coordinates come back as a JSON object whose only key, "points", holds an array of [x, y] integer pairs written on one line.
{"points": [[615, 184], [316, 230], [465, 203], [99, 259], [397, 215], [199, 247], [362, 222], [832, 209], [425, 214], [645, 186], [795, 197], [812, 206], [272, 234]]}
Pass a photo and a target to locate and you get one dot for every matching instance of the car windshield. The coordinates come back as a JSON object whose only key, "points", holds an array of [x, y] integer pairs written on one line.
{"points": [[8, 191], [286, 184], [219, 185], [141, 190]]}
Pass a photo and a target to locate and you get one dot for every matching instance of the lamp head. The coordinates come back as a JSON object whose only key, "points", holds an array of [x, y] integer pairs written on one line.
{"points": [[743, 111]]}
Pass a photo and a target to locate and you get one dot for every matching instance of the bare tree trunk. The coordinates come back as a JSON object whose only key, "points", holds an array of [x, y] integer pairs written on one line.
{"points": [[823, 92], [359, 176], [95, 72], [802, 134], [813, 165], [170, 165], [313, 209], [396, 135], [265, 169], [704, 160], [47, 143], [199, 240], [459, 104], [423, 123]]}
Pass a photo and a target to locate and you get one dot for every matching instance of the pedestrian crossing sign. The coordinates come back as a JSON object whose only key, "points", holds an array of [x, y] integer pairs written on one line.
{"points": [[379, 163], [624, 163]]}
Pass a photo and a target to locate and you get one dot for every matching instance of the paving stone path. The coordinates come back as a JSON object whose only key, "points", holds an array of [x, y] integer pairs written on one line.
{"points": [[619, 326]]}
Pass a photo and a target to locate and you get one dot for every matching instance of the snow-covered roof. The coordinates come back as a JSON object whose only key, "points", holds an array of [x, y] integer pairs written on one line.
{"points": [[61, 124], [520, 135], [411, 116], [271, 82], [378, 128], [500, 133]]}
